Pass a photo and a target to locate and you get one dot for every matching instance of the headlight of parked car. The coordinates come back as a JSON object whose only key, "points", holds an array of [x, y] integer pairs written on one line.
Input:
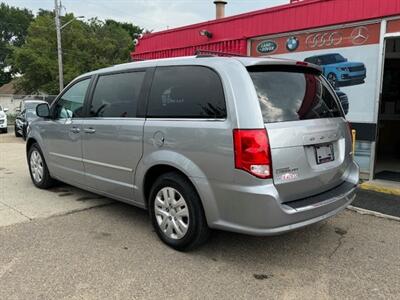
{"points": [[344, 69]]}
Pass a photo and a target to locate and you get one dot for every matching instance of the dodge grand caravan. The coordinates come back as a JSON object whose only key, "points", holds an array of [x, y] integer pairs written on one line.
{"points": [[251, 145]]}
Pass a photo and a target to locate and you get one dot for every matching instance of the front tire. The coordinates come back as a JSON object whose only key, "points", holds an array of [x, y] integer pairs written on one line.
{"points": [[332, 78], [176, 212], [38, 168]]}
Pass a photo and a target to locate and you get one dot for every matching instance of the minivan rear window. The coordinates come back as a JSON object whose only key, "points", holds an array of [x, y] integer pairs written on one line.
{"points": [[292, 95]]}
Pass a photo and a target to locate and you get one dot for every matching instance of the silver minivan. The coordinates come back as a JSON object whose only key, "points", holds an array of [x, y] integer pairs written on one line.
{"points": [[251, 145]]}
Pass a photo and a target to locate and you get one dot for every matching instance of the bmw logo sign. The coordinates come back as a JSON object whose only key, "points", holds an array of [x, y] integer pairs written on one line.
{"points": [[292, 43]]}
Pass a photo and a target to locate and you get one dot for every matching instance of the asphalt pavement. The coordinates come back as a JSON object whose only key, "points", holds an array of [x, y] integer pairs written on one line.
{"points": [[70, 244]]}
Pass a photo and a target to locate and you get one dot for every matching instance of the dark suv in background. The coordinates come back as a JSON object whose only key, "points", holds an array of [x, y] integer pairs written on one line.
{"points": [[25, 117]]}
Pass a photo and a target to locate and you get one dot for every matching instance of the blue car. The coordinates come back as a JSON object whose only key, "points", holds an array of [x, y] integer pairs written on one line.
{"points": [[338, 70]]}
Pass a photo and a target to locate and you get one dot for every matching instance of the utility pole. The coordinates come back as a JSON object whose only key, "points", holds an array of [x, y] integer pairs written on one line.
{"points": [[57, 9]]}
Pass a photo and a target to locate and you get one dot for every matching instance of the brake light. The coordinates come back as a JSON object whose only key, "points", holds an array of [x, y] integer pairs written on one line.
{"points": [[252, 152], [301, 63]]}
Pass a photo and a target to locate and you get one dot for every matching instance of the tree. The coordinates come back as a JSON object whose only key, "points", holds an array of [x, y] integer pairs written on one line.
{"points": [[86, 46], [14, 23], [133, 30]]}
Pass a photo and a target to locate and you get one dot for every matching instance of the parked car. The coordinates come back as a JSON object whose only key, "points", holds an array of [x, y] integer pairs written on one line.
{"points": [[3, 120], [344, 100], [252, 145], [338, 70], [25, 117]]}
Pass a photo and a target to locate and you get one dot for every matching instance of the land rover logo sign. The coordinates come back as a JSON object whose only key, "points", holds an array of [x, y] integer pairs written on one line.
{"points": [[267, 47], [292, 43]]}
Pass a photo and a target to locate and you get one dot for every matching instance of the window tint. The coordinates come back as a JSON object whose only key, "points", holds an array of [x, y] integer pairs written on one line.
{"points": [[70, 105], [117, 95], [330, 59], [311, 60], [186, 92], [291, 96]]}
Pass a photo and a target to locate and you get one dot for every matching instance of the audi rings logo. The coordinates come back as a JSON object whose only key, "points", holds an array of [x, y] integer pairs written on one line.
{"points": [[327, 39]]}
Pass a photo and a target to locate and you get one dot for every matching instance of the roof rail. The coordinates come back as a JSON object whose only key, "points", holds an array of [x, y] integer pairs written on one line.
{"points": [[210, 53]]}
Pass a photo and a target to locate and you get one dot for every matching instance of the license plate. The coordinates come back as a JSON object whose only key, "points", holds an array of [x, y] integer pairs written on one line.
{"points": [[324, 153]]}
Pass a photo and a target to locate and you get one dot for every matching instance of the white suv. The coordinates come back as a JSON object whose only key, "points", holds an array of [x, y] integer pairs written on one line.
{"points": [[3, 119]]}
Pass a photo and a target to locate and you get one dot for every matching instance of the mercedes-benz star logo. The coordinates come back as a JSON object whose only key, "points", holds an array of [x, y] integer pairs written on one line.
{"points": [[359, 35]]}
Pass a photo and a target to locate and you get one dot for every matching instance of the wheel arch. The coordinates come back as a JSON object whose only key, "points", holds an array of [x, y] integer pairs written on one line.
{"points": [[29, 142], [200, 184], [156, 171]]}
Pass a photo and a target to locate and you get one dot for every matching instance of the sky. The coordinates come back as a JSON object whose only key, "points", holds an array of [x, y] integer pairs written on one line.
{"points": [[150, 14]]}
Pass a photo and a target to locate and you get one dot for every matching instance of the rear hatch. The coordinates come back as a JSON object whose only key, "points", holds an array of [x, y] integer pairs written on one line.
{"points": [[308, 135]]}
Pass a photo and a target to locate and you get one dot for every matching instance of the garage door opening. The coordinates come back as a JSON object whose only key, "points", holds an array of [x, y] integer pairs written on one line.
{"points": [[388, 148]]}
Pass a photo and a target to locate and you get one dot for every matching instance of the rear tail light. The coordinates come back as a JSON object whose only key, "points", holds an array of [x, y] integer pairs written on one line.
{"points": [[252, 152]]}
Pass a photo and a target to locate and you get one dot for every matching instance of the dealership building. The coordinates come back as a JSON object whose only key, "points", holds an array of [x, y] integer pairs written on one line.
{"points": [[356, 42]]}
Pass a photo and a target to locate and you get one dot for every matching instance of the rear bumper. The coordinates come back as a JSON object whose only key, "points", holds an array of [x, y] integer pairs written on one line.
{"points": [[258, 210]]}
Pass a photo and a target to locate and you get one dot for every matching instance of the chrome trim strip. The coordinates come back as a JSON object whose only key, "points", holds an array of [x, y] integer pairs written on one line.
{"points": [[107, 165], [66, 156], [113, 119], [91, 162]]}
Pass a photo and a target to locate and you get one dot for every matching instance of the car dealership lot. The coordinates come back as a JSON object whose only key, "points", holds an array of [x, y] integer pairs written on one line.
{"points": [[20, 201], [68, 243]]}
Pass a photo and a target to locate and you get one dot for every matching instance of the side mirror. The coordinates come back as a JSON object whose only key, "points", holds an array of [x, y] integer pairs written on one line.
{"points": [[5, 109], [43, 110]]}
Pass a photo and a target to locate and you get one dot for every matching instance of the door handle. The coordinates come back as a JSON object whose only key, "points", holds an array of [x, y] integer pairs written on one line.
{"points": [[75, 130], [89, 130]]}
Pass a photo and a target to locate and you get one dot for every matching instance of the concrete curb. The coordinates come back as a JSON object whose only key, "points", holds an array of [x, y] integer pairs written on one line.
{"points": [[363, 211], [380, 188]]}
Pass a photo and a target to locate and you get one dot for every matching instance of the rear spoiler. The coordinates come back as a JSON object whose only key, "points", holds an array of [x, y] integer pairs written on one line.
{"points": [[298, 67]]}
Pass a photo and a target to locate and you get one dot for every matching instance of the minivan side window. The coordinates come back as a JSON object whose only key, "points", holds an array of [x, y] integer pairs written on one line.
{"points": [[70, 105], [186, 92], [117, 95]]}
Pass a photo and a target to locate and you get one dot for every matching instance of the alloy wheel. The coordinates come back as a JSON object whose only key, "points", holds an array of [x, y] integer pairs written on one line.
{"points": [[36, 164]]}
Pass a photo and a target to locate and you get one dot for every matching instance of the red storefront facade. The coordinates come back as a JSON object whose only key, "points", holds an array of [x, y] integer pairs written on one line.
{"points": [[357, 33], [232, 33]]}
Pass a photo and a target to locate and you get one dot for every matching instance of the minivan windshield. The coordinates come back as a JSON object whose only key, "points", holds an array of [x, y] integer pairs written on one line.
{"points": [[292, 95]]}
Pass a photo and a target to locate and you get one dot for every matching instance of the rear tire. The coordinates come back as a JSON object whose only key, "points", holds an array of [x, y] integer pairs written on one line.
{"points": [[38, 168], [17, 134], [176, 212], [24, 130]]}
